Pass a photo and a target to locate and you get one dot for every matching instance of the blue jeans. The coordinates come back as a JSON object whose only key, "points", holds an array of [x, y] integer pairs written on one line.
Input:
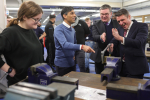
{"points": [[87, 55]]}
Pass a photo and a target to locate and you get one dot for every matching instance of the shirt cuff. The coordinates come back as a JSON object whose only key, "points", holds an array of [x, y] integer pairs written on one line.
{"points": [[80, 47], [101, 39], [123, 41]]}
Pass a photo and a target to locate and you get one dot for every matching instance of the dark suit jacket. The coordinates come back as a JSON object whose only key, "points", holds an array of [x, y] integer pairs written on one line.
{"points": [[97, 30], [134, 48], [49, 30]]}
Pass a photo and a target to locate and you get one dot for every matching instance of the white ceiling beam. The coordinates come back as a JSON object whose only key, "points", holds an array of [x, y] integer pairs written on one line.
{"points": [[133, 2], [75, 3], [138, 6], [76, 10]]}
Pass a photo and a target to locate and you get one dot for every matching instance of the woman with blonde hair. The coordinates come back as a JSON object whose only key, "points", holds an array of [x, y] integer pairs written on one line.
{"points": [[19, 44]]}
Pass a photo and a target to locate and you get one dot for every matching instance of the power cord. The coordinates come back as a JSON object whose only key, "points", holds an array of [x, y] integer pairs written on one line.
{"points": [[3, 76]]}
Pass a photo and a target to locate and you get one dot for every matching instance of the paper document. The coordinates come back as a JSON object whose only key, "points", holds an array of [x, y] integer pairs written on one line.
{"points": [[88, 93]]}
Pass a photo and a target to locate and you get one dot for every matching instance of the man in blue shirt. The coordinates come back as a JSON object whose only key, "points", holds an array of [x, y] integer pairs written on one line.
{"points": [[65, 43]]}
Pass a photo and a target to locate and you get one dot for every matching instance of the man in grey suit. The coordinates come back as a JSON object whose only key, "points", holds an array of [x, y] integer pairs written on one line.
{"points": [[102, 35]]}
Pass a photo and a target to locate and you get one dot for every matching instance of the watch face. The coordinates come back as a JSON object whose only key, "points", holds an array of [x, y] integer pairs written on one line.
{"points": [[9, 70]]}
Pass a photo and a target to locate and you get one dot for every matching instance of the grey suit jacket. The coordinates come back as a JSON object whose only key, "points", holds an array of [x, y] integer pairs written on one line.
{"points": [[97, 30]]}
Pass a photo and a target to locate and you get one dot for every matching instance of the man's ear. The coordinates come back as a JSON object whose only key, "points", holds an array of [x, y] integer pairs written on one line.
{"points": [[129, 16], [64, 16], [111, 14]]}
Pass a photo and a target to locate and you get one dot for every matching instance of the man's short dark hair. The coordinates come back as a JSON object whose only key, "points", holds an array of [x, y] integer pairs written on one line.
{"points": [[122, 12], [106, 6], [65, 11], [52, 16]]}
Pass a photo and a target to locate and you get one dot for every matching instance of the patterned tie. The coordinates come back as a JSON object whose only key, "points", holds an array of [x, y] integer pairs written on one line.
{"points": [[125, 32], [106, 23]]}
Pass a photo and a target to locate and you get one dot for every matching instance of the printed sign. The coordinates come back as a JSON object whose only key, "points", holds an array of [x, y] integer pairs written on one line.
{"points": [[43, 82]]}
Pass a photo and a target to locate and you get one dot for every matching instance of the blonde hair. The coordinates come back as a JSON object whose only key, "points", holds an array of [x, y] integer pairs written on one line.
{"points": [[28, 9], [87, 19]]}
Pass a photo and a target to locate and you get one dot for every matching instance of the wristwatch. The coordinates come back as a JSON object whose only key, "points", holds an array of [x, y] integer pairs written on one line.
{"points": [[9, 70]]}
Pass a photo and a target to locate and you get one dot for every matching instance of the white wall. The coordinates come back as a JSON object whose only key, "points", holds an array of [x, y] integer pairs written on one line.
{"points": [[2, 26], [2, 14]]}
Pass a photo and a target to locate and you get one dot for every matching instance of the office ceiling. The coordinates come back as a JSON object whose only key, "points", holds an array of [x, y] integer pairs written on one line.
{"points": [[81, 11]]}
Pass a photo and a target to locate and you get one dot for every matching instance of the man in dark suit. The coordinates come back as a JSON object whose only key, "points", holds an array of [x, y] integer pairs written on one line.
{"points": [[131, 36], [102, 35]]}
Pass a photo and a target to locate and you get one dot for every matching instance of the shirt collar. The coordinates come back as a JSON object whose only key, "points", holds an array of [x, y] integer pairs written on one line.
{"points": [[64, 23], [109, 22], [130, 25]]}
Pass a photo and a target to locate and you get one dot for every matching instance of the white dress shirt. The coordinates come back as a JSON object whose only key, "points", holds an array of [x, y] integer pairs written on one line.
{"points": [[127, 33]]}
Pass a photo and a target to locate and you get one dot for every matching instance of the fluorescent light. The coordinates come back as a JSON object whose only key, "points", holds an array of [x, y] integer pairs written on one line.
{"points": [[96, 15], [78, 10], [84, 10], [46, 19], [84, 17], [12, 8], [52, 13], [145, 17], [11, 16]]}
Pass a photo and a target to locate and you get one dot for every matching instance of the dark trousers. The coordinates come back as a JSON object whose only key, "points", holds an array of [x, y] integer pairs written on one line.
{"points": [[50, 53], [64, 70], [42, 49], [124, 72], [80, 59], [99, 67]]}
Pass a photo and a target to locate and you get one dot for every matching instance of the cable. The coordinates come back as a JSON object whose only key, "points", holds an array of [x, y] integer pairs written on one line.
{"points": [[3, 76]]}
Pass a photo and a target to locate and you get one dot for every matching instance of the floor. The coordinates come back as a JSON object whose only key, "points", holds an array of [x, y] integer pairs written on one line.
{"points": [[91, 66]]}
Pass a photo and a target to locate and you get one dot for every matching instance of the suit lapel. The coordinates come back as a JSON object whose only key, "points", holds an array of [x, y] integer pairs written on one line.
{"points": [[132, 28], [100, 26]]}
